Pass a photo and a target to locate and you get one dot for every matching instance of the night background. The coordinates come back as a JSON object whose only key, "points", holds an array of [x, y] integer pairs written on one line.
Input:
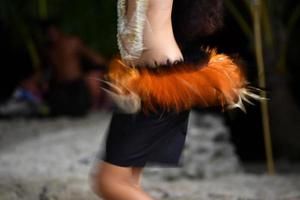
{"points": [[29, 95]]}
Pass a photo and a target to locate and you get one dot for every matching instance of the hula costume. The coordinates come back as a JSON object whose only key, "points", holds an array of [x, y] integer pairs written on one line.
{"points": [[156, 102]]}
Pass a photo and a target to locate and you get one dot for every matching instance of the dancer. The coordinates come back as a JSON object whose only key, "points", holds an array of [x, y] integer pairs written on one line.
{"points": [[155, 85]]}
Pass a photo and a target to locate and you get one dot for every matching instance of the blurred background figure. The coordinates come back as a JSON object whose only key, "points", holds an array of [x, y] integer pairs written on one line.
{"points": [[66, 81], [74, 88]]}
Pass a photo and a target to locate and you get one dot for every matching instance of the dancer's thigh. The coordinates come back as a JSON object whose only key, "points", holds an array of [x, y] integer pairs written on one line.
{"points": [[107, 172]]}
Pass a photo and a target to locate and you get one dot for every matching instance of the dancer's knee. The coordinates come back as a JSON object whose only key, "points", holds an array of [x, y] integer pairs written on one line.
{"points": [[102, 186], [108, 179]]}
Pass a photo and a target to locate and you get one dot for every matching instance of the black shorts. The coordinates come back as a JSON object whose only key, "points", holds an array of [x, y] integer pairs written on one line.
{"points": [[155, 139]]}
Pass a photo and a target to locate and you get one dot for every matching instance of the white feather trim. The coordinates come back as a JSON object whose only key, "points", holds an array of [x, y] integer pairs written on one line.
{"points": [[130, 32]]}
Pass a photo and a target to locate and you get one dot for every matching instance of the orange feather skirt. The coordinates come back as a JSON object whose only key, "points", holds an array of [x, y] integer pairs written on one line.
{"points": [[218, 82]]}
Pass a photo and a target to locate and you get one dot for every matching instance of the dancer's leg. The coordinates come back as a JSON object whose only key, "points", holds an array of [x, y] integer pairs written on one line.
{"points": [[137, 175], [112, 182]]}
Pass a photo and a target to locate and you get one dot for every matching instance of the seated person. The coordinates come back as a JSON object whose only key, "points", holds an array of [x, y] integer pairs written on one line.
{"points": [[72, 90]]}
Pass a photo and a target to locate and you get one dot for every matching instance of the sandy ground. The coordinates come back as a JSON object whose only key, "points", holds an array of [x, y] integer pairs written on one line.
{"points": [[51, 160]]}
